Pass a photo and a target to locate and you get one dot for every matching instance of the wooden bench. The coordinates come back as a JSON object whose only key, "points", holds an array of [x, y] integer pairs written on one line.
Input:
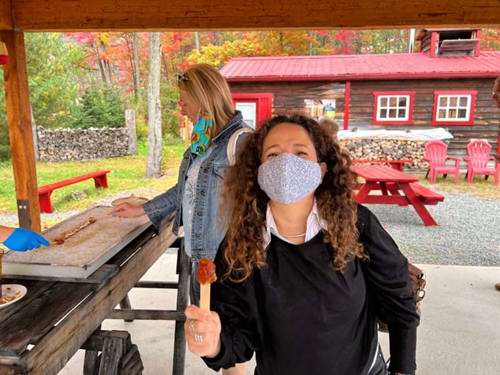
{"points": [[44, 192], [425, 195]]}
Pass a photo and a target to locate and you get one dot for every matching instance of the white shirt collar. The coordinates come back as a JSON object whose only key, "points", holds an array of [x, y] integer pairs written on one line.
{"points": [[314, 225]]}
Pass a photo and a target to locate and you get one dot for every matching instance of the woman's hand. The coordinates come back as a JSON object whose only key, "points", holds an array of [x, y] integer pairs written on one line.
{"points": [[202, 329], [128, 210]]}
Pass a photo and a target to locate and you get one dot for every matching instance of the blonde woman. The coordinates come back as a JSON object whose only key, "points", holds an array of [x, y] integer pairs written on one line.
{"points": [[206, 100]]}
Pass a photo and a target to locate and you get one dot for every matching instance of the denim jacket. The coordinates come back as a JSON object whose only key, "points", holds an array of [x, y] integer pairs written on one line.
{"points": [[208, 228]]}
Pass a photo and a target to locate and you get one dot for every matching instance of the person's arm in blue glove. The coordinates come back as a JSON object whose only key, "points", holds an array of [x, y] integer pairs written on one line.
{"points": [[19, 239]]}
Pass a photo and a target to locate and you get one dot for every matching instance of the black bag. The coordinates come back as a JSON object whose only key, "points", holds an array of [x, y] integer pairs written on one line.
{"points": [[417, 280]]}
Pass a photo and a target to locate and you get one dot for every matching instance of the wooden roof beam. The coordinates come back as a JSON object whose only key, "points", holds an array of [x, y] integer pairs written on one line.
{"points": [[6, 22], [73, 15]]}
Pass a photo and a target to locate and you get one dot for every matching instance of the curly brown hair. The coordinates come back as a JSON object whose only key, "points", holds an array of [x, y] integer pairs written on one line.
{"points": [[246, 203]]}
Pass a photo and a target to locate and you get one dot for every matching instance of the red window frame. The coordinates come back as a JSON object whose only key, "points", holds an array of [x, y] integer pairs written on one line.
{"points": [[377, 94], [470, 121], [263, 101]]}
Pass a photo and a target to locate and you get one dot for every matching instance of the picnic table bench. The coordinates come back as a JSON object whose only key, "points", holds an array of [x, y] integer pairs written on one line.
{"points": [[396, 187], [427, 196], [45, 191]]}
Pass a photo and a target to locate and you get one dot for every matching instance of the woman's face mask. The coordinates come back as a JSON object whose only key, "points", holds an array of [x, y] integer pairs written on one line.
{"points": [[287, 178], [200, 138]]}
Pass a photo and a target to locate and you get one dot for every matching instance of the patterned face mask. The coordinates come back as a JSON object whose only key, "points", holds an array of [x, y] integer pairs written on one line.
{"points": [[286, 178], [200, 139]]}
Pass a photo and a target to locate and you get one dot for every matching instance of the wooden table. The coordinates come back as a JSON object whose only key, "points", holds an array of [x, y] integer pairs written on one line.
{"points": [[396, 187], [40, 333], [396, 164]]}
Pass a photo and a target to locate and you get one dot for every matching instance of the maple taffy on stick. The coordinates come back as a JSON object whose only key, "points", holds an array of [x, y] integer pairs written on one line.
{"points": [[206, 276]]}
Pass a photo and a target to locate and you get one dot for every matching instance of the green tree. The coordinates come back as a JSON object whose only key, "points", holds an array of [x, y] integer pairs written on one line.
{"points": [[283, 43], [218, 55], [169, 96], [490, 39], [54, 74], [54, 70], [384, 41], [100, 107]]}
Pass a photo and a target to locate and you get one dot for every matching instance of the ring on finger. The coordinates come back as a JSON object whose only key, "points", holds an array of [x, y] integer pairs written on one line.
{"points": [[198, 338]]}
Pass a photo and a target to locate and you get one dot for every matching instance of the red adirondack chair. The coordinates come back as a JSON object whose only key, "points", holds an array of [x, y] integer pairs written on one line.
{"points": [[436, 154], [478, 151]]}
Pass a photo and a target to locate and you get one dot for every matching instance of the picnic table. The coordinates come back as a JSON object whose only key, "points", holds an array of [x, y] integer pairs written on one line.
{"points": [[42, 331], [386, 185], [396, 164]]}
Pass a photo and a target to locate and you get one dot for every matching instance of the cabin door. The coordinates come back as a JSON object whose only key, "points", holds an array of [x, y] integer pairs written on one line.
{"points": [[256, 108]]}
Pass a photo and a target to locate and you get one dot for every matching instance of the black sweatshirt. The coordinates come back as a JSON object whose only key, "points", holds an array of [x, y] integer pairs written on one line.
{"points": [[301, 317]]}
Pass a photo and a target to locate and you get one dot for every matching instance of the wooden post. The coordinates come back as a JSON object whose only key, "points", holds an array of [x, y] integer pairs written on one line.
{"points": [[347, 104], [183, 270], [20, 131]]}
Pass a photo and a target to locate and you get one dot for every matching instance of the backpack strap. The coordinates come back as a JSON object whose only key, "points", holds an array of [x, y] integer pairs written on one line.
{"points": [[233, 143]]}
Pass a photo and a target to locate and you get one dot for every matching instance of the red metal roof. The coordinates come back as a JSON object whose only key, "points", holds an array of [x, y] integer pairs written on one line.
{"points": [[360, 67]]}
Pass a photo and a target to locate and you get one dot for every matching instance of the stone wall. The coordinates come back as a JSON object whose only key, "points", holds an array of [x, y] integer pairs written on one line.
{"points": [[82, 144], [387, 149]]}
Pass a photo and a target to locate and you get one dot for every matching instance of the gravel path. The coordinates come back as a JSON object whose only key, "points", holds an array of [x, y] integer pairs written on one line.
{"points": [[58, 216], [468, 231]]}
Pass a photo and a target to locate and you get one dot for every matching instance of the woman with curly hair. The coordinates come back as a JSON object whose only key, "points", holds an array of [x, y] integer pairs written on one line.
{"points": [[304, 271]]}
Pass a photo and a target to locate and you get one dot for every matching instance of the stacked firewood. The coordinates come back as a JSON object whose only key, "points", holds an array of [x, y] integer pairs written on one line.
{"points": [[387, 149], [82, 144]]}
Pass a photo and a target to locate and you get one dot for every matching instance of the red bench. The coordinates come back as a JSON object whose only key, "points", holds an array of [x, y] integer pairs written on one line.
{"points": [[44, 192], [426, 196]]}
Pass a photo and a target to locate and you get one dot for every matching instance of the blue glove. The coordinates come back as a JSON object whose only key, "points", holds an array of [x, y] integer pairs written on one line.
{"points": [[24, 240]]}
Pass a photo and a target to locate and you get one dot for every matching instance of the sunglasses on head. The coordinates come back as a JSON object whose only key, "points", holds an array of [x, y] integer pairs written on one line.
{"points": [[182, 77]]}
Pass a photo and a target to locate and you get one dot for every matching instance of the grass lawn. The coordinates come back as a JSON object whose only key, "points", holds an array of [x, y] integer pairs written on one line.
{"points": [[127, 173], [480, 188]]}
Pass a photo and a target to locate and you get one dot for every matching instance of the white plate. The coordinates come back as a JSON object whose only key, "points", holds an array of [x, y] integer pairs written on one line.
{"points": [[16, 290]]}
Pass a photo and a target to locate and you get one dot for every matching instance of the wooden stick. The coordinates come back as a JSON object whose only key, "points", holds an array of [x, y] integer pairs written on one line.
{"points": [[60, 240], [205, 296]]}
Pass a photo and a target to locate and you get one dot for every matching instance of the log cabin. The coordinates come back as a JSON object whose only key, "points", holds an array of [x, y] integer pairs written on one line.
{"points": [[446, 83]]}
